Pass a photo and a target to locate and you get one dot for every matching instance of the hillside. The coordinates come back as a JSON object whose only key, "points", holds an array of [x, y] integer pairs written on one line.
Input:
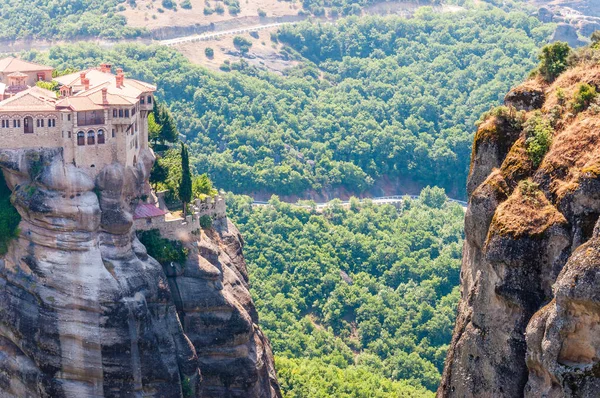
{"points": [[527, 321], [375, 105]]}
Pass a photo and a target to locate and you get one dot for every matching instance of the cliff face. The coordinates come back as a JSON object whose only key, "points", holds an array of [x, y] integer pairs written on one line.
{"points": [[85, 312], [529, 317]]}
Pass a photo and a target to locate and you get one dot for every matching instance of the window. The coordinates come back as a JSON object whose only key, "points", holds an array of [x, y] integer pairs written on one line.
{"points": [[17, 123], [40, 122], [90, 118], [91, 137], [114, 113], [51, 123], [142, 100], [69, 134], [81, 138], [4, 124], [149, 99], [69, 117], [27, 125], [136, 127], [113, 133], [132, 111], [101, 137], [120, 112], [126, 112]]}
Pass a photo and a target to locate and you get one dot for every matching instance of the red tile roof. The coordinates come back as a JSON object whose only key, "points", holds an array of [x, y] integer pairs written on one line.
{"points": [[146, 210]]}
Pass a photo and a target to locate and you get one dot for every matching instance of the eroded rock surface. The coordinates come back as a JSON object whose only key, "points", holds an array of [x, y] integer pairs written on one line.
{"points": [[85, 312], [528, 322]]}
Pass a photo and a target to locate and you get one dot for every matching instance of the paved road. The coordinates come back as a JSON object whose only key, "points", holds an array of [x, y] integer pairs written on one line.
{"points": [[379, 200], [214, 35]]}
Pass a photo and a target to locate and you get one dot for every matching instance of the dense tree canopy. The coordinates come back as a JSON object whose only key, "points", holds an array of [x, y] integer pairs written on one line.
{"points": [[373, 99], [355, 289], [62, 19]]}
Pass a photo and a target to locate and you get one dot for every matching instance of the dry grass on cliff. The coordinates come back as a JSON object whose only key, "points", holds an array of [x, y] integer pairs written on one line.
{"points": [[569, 82], [527, 212], [574, 152]]}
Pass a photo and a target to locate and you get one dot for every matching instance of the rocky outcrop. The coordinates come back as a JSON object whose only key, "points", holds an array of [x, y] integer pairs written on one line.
{"points": [[85, 312], [528, 321]]}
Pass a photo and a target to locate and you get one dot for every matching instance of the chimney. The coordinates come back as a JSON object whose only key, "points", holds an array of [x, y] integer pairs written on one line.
{"points": [[105, 96], [105, 68], [120, 78], [84, 81]]}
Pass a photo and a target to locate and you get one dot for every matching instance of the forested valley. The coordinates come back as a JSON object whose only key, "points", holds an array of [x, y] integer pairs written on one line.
{"points": [[358, 300]]}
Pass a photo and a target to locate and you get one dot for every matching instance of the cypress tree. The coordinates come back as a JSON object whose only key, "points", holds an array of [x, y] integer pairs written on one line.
{"points": [[185, 187]]}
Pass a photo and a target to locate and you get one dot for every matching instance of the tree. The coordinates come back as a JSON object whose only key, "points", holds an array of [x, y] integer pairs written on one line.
{"points": [[158, 174], [202, 185], [185, 186], [153, 128], [168, 128], [554, 60]]}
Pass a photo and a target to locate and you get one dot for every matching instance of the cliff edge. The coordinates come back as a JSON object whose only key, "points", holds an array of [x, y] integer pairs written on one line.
{"points": [[85, 312], [529, 317]]}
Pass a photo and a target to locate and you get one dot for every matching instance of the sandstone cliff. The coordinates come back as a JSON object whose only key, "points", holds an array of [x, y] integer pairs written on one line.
{"points": [[85, 312], [529, 317]]}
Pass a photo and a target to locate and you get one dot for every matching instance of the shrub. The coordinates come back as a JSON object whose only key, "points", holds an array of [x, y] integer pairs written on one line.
{"points": [[554, 60], [185, 4], [539, 137], [242, 44], [165, 251], [595, 39], [9, 217], [262, 13], [205, 221], [209, 52], [169, 4], [208, 11], [219, 9], [583, 97]]}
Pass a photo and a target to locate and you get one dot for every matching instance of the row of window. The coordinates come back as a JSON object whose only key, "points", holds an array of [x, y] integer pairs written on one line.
{"points": [[28, 123], [142, 102], [91, 137]]}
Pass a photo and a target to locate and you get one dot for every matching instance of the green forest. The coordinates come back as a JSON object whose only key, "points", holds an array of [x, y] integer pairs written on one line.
{"points": [[373, 99], [63, 19], [355, 290]]}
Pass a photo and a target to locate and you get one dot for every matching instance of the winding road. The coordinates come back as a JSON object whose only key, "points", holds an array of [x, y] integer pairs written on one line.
{"points": [[382, 200]]}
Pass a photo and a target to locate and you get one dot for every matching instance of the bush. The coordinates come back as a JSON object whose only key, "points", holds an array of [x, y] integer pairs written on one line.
{"points": [[583, 97], [208, 11], [165, 251], [262, 13], [554, 60], [219, 9], [242, 44], [209, 52], [539, 137], [205, 221], [185, 4], [169, 4], [9, 217]]}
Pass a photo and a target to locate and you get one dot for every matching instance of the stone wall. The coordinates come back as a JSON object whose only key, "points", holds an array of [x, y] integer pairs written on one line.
{"points": [[182, 229]]}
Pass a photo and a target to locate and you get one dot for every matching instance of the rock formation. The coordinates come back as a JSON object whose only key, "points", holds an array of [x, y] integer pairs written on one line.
{"points": [[85, 312], [529, 317]]}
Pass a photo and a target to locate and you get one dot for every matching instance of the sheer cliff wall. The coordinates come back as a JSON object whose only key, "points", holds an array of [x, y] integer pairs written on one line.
{"points": [[85, 312], [529, 317]]}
